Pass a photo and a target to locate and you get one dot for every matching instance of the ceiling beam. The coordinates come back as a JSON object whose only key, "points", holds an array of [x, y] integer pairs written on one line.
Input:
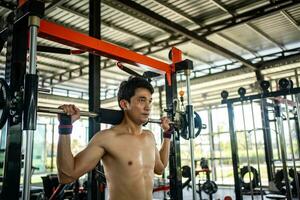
{"points": [[147, 14], [222, 7], [255, 53], [53, 5], [248, 16], [107, 24], [176, 10], [290, 19], [216, 27], [157, 26], [264, 35]]}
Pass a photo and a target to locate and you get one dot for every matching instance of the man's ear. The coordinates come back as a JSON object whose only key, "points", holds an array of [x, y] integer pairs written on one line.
{"points": [[124, 104]]}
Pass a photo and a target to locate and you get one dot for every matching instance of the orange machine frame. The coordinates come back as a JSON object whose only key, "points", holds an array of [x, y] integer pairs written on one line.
{"points": [[58, 33]]}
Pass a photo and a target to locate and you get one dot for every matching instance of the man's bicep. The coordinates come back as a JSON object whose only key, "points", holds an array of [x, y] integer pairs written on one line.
{"points": [[159, 167], [87, 159]]}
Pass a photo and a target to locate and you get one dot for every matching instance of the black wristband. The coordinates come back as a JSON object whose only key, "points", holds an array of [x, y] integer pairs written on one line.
{"points": [[168, 134], [65, 125]]}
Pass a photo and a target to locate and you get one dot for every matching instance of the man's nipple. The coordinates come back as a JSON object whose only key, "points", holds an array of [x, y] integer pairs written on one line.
{"points": [[129, 162]]}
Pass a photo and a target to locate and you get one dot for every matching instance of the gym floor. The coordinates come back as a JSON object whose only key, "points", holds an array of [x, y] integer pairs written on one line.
{"points": [[222, 192]]}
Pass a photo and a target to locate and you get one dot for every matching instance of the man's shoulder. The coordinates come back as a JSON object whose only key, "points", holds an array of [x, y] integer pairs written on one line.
{"points": [[107, 132], [148, 133]]}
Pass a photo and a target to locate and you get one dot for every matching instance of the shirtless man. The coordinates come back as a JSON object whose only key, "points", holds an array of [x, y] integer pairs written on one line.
{"points": [[128, 152]]}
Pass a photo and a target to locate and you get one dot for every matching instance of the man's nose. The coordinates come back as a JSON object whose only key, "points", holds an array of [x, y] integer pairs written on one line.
{"points": [[148, 106]]}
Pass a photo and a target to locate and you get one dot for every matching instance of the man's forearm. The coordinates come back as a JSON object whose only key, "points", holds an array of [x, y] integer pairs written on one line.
{"points": [[65, 158], [164, 152]]}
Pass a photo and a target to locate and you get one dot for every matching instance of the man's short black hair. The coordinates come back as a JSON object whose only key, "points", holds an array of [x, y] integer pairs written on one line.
{"points": [[127, 88]]}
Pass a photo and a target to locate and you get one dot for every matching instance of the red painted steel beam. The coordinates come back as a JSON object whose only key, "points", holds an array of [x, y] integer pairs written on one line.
{"points": [[21, 2], [60, 34]]}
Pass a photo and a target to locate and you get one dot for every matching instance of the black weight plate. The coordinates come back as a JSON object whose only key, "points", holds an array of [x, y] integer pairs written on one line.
{"points": [[186, 171], [210, 187], [4, 102], [184, 125]]}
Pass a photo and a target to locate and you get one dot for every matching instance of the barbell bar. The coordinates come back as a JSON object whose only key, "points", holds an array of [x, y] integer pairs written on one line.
{"points": [[106, 116], [43, 109]]}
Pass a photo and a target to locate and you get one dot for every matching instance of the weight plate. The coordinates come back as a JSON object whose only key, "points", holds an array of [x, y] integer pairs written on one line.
{"points": [[184, 133], [4, 102], [209, 187]]}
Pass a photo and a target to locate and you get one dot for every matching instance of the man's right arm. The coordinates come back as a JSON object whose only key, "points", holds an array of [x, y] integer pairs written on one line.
{"points": [[71, 168]]}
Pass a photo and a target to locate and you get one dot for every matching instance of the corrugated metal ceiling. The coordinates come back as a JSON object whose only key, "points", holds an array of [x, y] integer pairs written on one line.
{"points": [[122, 25]]}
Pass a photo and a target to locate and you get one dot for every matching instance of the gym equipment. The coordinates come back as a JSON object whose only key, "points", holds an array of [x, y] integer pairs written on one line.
{"points": [[8, 104], [204, 163], [183, 121], [209, 187], [186, 171], [280, 105], [253, 182], [256, 148], [296, 178], [242, 92], [29, 111], [4, 102]]}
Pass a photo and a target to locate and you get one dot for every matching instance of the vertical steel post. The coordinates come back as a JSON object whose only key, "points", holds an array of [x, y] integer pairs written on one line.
{"points": [[212, 143], [175, 157], [267, 138], [297, 120], [279, 122], [234, 153], [160, 90], [247, 147], [191, 127], [17, 44], [94, 91], [34, 23], [256, 150]]}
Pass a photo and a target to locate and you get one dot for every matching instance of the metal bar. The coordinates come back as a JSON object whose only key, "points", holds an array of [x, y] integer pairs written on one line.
{"points": [[191, 128], [267, 138], [108, 24], [239, 44], [247, 148], [256, 151], [158, 121], [43, 109], [175, 10], [297, 124], [234, 153], [297, 97], [94, 94], [292, 148], [60, 111], [283, 149], [53, 6], [222, 7], [264, 35], [170, 25], [175, 157], [51, 31], [212, 143], [290, 19], [248, 16], [263, 95], [33, 30], [15, 68]]}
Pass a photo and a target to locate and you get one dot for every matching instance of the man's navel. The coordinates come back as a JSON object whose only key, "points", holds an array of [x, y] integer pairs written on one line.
{"points": [[130, 163]]}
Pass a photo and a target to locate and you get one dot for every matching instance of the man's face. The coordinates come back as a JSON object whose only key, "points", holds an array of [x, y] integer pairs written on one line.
{"points": [[139, 106]]}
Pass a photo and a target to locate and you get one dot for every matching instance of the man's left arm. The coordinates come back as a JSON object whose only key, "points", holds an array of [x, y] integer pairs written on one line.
{"points": [[164, 152], [162, 156]]}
